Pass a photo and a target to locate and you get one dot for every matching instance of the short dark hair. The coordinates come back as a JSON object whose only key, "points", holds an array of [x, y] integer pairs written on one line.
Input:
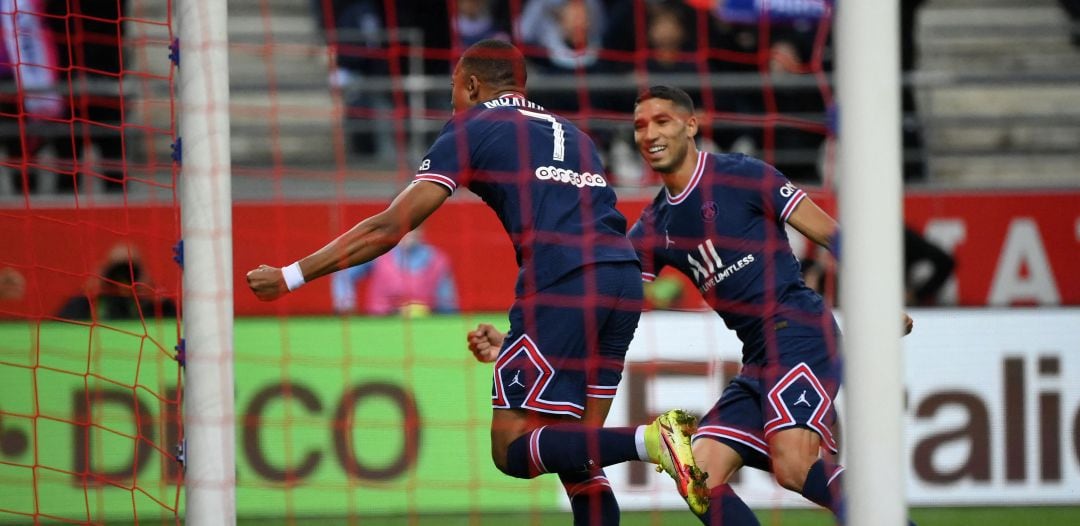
{"points": [[496, 63], [677, 96]]}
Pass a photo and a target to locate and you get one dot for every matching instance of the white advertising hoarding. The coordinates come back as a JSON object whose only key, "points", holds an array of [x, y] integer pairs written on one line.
{"points": [[993, 404]]}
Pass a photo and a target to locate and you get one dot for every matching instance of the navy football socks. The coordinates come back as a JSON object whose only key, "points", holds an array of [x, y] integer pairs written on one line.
{"points": [[823, 487], [569, 448], [727, 509], [591, 498]]}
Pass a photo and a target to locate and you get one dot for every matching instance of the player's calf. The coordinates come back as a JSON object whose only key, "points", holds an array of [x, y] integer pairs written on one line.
{"points": [[591, 498], [568, 448], [823, 485]]}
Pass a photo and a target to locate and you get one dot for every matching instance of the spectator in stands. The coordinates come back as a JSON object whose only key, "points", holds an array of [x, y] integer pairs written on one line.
{"points": [[474, 22], [669, 41], [738, 44], [12, 284], [668, 36], [792, 30], [569, 35], [797, 149], [90, 40], [355, 30], [569, 31], [121, 291], [926, 269], [414, 278], [670, 45], [28, 78]]}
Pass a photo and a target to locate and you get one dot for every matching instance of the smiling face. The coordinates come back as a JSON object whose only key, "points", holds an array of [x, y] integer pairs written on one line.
{"points": [[663, 133]]}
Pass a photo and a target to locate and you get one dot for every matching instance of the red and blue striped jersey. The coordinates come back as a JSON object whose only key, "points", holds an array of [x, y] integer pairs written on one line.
{"points": [[543, 178], [725, 231]]}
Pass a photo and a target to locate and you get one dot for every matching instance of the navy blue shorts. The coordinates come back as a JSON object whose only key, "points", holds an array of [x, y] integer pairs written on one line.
{"points": [[569, 340], [764, 399]]}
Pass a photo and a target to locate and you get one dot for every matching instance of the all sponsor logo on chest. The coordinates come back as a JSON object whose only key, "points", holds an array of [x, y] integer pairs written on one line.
{"points": [[710, 270]]}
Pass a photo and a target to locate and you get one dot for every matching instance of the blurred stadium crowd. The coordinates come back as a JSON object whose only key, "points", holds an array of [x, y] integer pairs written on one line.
{"points": [[986, 93]]}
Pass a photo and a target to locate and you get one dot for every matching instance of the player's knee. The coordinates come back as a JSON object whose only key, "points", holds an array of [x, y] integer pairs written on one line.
{"points": [[789, 477], [506, 428], [500, 462], [790, 469], [793, 451], [717, 460], [498, 456], [510, 458]]}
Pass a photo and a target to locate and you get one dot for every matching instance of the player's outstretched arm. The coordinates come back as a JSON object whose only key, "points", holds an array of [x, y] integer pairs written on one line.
{"points": [[485, 342], [364, 242], [811, 221], [819, 227]]}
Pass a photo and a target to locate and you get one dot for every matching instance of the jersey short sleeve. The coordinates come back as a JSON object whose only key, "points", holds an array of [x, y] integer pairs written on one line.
{"points": [[642, 235], [778, 196], [447, 161]]}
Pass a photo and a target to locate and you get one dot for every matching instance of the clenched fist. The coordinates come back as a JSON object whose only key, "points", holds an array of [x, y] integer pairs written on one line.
{"points": [[267, 283], [485, 342]]}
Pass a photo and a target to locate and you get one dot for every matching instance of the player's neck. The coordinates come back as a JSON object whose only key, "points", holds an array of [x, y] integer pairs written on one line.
{"points": [[508, 92], [677, 180]]}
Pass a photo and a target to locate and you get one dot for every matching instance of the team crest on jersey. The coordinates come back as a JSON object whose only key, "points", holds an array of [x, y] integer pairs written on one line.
{"points": [[709, 210]]}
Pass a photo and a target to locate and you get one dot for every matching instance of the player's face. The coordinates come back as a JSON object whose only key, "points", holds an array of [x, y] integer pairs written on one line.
{"points": [[663, 133]]}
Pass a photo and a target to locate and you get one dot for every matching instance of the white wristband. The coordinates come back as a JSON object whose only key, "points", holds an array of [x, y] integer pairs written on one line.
{"points": [[294, 277]]}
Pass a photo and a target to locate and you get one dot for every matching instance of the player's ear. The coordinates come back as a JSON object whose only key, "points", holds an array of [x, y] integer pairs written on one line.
{"points": [[472, 87], [691, 126]]}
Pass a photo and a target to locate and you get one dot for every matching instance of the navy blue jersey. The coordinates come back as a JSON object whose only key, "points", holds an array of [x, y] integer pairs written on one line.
{"points": [[543, 178], [725, 231]]}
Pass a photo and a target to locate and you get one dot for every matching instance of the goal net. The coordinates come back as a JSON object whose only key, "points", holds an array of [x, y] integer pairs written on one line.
{"points": [[350, 409], [89, 289], [343, 413]]}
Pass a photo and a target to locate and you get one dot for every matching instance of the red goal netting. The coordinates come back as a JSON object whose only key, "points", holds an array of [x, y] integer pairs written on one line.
{"points": [[351, 413], [89, 290], [343, 414]]}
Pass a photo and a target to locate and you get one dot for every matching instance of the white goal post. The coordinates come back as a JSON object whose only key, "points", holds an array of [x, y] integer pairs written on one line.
{"points": [[871, 197], [206, 216]]}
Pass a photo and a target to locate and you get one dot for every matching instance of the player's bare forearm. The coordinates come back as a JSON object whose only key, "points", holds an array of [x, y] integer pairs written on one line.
{"points": [[367, 240], [364, 242], [811, 221], [377, 234]]}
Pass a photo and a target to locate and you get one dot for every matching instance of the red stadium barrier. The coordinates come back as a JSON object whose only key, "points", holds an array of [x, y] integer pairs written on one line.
{"points": [[1011, 248]]}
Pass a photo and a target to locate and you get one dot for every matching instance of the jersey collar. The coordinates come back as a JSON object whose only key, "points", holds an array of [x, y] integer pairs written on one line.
{"points": [[698, 170]]}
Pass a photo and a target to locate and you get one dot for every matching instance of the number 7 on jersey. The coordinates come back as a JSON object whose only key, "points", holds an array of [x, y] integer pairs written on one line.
{"points": [[557, 150]]}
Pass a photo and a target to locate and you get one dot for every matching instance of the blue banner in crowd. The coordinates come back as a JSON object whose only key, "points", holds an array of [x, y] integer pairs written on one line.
{"points": [[750, 11]]}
